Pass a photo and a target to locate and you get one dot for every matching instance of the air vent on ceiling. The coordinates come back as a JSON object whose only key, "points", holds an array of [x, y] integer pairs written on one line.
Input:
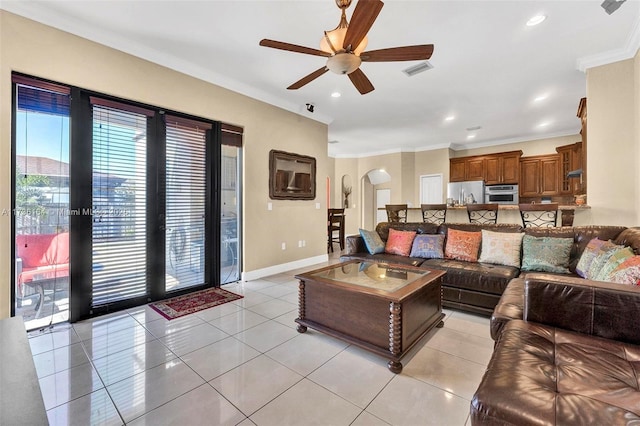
{"points": [[334, 141], [416, 69], [471, 129]]}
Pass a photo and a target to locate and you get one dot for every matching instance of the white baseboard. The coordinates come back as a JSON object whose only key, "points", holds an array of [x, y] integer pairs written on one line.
{"points": [[284, 267]]}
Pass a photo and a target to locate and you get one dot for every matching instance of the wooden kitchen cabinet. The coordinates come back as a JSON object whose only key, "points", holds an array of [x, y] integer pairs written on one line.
{"points": [[570, 158], [493, 169], [539, 176], [474, 169], [456, 169], [502, 168]]}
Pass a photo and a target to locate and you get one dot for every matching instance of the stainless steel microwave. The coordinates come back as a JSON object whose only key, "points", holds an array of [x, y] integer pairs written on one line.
{"points": [[501, 194]]}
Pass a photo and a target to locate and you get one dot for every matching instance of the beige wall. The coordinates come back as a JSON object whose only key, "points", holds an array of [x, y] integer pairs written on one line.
{"points": [[613, 143], [32, 48], [432, 162], [528, 148], [637, 144]]}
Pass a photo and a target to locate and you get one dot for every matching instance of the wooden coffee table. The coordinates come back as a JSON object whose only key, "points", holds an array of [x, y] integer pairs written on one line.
{"points": [[383, 308]]}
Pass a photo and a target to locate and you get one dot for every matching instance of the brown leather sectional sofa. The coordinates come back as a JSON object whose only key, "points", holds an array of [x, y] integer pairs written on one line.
{"points": [[567, 353], [477, 287]]}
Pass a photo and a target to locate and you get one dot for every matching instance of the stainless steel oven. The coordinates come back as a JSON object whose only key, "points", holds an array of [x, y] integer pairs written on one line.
{"points": [[501, 194]]}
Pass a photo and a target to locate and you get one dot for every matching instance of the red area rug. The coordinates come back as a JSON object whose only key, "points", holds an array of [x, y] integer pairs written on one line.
{"points": [[179, 306]]}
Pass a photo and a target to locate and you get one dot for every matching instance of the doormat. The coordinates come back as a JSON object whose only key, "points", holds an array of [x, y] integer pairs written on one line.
{"points": [[180, 306]]}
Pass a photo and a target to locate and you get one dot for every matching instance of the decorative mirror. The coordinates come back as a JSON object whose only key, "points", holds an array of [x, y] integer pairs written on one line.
{"points": [[291, 176]]}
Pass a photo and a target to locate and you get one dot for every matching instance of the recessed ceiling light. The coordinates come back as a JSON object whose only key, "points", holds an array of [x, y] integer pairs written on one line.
{"points": [[336, 95], [544, 124], [471, 136], [541, 98], [538, 19], [450, 118]]}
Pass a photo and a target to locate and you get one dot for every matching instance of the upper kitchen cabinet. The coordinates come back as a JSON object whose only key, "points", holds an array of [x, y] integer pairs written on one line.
{"points": [[492, 169], [570, 158], [539, 175], [456, 169], [502, 168]]}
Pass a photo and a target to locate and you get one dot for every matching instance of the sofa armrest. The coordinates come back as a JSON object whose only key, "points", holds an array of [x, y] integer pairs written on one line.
{"points": [[509, 307], [355, 244], [607, 310]]}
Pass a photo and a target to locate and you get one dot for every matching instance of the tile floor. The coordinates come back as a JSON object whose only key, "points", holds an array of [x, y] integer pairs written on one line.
{"points": [[243, 363]]}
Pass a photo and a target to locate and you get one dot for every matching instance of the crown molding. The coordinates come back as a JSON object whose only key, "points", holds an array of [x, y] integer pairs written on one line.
{"points": [[627, 52]]}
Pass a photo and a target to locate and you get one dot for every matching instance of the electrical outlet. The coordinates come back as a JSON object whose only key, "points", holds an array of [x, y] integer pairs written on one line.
{"points": [[304, 243], [284, 246], [269, 206], [317, 206], [299, 243]]}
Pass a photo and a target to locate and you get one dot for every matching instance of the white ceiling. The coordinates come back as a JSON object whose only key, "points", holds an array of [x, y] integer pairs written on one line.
{"points": [[489, 66]]}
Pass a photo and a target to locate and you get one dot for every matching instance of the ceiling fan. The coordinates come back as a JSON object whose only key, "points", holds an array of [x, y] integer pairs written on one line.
{"points": [[344, 47]]}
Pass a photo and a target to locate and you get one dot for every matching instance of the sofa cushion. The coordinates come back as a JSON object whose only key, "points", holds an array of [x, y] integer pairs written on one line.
{"points": [[482, 277], [418, 227], [615, 259], [383, 258], [549, 376], [590, 252], [399, 242], [546, 254], [428, 246], [628, 272], [372, 241], [509, 307], [603, 255], [502, 248], [462, 245]]}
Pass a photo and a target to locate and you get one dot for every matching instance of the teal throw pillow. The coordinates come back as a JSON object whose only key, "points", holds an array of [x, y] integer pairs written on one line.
{"points": [[546, 254], [373, 241], [429, 246]]}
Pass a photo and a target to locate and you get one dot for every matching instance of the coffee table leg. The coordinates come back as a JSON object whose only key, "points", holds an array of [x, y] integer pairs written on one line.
{"points": [[395, 335], [301, 308]]}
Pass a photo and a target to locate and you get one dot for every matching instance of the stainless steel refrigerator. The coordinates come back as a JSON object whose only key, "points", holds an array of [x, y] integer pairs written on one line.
{"points": [[468, 192]]}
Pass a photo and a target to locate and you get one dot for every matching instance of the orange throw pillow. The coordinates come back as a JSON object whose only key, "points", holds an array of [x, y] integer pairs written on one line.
{"points": [[462, 245], [399, 242]]}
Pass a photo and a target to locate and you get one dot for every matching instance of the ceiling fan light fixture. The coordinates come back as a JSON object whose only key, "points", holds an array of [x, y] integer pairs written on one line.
{"points": [[343, 63], [538, 19], [333, 40]]}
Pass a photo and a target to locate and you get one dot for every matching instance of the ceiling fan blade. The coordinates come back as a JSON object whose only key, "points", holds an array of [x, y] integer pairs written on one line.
{"points": [[405, 53], [308, 79], [363, 17], [361, 82], [292, 47]]}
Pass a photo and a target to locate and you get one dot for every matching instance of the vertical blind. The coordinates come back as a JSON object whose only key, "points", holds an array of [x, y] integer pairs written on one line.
{"points": [[119, 230], [185, 202]]}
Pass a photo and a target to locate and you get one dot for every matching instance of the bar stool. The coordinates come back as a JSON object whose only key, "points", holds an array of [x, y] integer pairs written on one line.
{"points": [[335, 224], [396, 212], [434, 213], [539, 215], [482, 213]]}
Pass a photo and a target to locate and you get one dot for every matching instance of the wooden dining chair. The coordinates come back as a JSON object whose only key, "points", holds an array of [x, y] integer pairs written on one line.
{"points": [[335, 228], [482, 213], [434, 213], [396, 212], [539, 215]]}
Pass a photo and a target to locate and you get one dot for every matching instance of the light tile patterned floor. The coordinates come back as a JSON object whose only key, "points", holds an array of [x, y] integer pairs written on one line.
{"points": [[244, 363]]}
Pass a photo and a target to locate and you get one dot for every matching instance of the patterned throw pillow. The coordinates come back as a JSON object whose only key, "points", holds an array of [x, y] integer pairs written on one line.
{"points": [[462, 245], [590, 252], [628, 272], [502, 248], [615, 259], [372, 240], [601, 258], [399, 242], [429, 246], [546, 254]]}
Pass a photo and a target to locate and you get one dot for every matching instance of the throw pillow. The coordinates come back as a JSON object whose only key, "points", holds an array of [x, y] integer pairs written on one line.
{"points": [[399, 242], [628, 272], [590, 252], [429, 246], [615, 259], [502, 248], [601, 258], [546, 254], [462, 245], [373, 241]]}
